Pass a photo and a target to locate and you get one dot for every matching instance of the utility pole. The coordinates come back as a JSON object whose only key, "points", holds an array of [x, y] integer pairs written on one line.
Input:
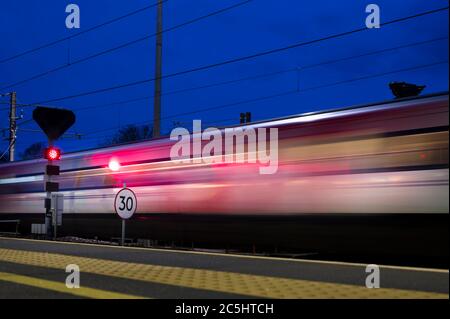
{"points": [[158, 72], [12, 125]]}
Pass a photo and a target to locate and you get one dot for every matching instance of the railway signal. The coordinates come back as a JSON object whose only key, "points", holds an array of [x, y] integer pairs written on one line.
{"points": [[52, 208], [53, 202], [54, 123], [52, 154]]}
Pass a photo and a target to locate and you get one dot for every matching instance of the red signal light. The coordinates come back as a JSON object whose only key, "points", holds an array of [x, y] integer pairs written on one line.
{"points": [[52, 153]]}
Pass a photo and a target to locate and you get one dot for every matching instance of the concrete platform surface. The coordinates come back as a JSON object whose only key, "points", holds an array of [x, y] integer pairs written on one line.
{"points": [[37, 269]]}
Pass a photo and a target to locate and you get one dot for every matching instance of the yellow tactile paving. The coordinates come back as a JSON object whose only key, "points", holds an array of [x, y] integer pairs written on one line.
{"points": [[219, 281], [84, 292]]}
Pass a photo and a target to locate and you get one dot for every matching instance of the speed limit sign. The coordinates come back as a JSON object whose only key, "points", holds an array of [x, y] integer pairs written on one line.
{"points": [[125, 203]]}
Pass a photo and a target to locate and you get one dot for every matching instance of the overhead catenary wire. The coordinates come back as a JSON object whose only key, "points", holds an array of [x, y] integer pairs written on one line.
{"points": [[124, 45], [96, 138], [87, 30], [289, 92], [310, 88], [252, 77], [8, 149], [239, 59], [106, 138], [265, 75], [86, 135]]}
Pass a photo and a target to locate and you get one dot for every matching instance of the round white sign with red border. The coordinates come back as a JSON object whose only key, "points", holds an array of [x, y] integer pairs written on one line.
{"points": [[125, 203]]}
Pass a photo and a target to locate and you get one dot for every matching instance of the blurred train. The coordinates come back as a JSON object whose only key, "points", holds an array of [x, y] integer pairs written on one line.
{"points": [[371, 178]]}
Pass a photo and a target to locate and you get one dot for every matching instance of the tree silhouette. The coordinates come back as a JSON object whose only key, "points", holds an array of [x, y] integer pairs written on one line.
{"points": [[130, 133], [35, 150]]}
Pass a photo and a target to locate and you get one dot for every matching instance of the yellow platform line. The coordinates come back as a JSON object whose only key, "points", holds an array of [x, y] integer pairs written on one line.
{"points": [[85, 292], [219, 281]]}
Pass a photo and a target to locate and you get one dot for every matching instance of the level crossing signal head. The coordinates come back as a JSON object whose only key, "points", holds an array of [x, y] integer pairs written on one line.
{"points": [[52, 153]]}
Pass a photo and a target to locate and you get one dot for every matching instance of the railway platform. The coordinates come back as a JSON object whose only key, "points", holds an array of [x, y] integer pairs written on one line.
{"points": [[46, 269]]}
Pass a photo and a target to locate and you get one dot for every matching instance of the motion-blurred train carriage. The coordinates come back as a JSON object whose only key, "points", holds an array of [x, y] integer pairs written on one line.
{"points": [[366, 178]]}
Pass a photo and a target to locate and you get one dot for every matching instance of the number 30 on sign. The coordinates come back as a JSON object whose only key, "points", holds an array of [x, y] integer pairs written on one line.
{"points": [[125, 203]]}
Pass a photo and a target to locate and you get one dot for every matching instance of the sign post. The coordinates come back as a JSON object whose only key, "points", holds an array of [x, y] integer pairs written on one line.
{"points": [[122, 237], [57, 211], [125, 205]]}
